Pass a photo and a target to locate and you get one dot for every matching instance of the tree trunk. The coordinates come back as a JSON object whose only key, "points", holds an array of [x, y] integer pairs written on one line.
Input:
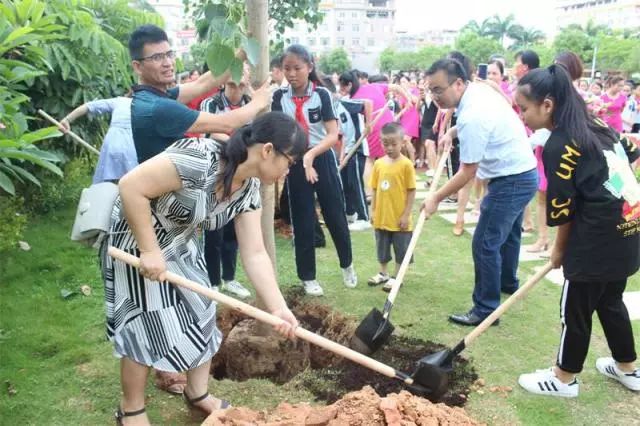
{"points": [[258, 22]]}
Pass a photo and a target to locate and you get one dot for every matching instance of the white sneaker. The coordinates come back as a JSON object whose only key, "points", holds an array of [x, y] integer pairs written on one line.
{"points": [[349, 276], [360, 225], [545, 382], [351, 218], [609, 368], [235, 288], [312, 288], [430, 173]]}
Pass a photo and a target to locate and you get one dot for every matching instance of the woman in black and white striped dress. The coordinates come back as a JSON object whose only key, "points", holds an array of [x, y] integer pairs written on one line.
{"points": [[194, 183]]}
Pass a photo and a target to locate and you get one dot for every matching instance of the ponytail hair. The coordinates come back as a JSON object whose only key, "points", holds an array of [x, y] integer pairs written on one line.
{"points": [[570, 112], [282, 131], [303, 54], [350, 77]]}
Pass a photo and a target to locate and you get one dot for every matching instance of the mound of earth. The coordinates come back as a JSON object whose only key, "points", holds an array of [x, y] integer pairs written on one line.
{"points": [[363, 407]]}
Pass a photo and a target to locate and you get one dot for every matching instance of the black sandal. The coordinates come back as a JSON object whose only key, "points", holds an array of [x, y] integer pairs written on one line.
{"points": [[191, 402], [120, 415]]}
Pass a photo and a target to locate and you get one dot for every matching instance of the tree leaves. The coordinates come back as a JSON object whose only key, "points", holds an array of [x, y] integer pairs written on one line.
{"points": [[219, 58], [252, 49]]}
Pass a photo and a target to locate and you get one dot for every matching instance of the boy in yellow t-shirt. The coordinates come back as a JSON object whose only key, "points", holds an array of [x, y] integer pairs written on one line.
{"points": [[394, 189]]}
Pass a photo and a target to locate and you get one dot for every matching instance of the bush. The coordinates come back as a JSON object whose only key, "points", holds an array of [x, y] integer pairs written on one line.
{"points": [[55, 192], [13, 222]]}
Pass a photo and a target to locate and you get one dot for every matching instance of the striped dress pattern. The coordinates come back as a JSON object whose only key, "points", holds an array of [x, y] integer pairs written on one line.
{"points": [[155, 323]]}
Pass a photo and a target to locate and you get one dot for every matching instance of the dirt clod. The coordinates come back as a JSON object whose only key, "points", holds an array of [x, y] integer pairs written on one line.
{"points": [[363, 407]]}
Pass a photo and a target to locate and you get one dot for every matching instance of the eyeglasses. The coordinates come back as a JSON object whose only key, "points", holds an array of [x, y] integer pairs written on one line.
{"points": [[290, 159], [438, 91], [159, 57]]}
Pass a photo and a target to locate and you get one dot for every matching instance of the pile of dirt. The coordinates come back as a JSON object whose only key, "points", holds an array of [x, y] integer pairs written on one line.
{"points": [[364, 407]]}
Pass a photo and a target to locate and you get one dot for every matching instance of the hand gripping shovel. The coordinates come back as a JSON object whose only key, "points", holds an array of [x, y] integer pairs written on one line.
{"points": [[70, 133], [375, 329], [414, 385], [432, 370], [355, 147]]}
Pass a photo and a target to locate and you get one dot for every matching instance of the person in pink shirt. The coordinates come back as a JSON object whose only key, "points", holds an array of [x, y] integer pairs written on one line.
{"points": [[409, 118], [377, 94], [614, 102]]}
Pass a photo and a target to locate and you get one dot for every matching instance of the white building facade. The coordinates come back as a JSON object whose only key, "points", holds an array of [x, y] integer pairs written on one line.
{"points": [[364, 28], [616, 14], [181, 32]]}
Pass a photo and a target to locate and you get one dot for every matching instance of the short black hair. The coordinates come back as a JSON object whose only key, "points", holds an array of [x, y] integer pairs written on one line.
{"points": [[392, 129], [451, 67], [464, 60], [378, 78], [529, 58], [276, 62], [145, 34]]}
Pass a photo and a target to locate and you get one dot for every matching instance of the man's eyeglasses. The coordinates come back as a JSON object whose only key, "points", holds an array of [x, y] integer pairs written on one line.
{"points": [[159, 57], [438, 91]]}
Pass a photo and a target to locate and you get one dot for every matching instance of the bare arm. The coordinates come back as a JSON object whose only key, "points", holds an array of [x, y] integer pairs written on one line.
{"points": [[466, 172], [205, 83], [73, 116], [560, 244], [406, 213], [325, 144]]}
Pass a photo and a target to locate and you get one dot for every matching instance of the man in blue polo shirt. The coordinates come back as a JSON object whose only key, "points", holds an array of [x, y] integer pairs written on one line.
{"points": [[159, 116], [493, 146]]}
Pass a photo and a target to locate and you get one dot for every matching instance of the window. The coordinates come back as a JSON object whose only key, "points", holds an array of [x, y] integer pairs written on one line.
{"points": [[340, 41], [371, 42], [354, 14], [311, 41], [324, 41], [339, 26], [371, 14], [355, 42], [295, 40], [341, 15], [355, 28], [383, 14]]}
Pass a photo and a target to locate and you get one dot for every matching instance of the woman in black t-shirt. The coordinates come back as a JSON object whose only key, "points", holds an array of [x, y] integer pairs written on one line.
{"points": [[594, 200]]}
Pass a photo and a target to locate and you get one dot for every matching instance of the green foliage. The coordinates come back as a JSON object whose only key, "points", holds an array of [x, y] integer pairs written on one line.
{"points": [[13, 222], [478, 48], [576, 41], [55, 193], [524, 38], [619, 53], [391, 60], [335, 61]]}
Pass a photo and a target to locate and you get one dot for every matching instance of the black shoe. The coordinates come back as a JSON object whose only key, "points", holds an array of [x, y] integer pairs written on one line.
{"points": [[509, 291], [470, 318]]}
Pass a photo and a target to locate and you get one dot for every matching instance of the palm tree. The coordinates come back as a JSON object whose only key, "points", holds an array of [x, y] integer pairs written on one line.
{"points": [[482, 29], [499, 28], [524, 37]]}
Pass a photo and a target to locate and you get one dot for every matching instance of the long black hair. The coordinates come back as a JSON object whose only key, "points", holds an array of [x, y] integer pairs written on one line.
{"points": [[350, 77], [303, 54], [570, 112], [282, 131]]}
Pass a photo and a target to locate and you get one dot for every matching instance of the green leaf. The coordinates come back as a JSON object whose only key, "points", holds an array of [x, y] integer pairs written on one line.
{"points": [[252, 48], [40, 134], [237, 70], [215, 11], [219, 58], [223, 28], [6, 184], [25, 174]]}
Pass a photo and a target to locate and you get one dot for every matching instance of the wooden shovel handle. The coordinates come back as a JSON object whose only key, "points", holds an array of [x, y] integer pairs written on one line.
{"points": [[70, 133], [416, 233], [355, 147], [263, 316], [519, 294]]}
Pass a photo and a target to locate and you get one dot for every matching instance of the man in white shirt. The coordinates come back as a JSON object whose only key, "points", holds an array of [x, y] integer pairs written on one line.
{"points": [[493, 146]]}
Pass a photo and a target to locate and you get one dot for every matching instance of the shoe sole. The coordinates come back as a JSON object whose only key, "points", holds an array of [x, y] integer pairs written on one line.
{"points": [[537, 392]]}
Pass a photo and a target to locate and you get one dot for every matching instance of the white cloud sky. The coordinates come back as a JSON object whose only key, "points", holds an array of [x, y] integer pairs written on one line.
{"points": [[417, 15]]}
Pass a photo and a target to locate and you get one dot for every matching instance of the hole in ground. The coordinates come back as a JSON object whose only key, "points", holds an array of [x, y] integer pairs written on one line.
{"points": [[245, 354]]}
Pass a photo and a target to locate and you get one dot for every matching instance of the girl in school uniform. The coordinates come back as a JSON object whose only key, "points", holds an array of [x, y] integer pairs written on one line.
{"points": [[594, 200], [377, 94], [306, 100]]}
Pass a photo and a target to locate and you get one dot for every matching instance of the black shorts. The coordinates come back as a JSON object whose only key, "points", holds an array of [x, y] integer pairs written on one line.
{"points": [[385, 239]]}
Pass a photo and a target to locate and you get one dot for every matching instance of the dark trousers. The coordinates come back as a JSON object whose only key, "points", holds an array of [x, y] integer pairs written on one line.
{"points": [[579, 301], [354, 195], [319, 238], [221, 247], [328, 189], [496, 241]]}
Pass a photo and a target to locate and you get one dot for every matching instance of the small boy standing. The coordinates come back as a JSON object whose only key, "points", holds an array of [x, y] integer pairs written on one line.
{"points": [[393, 181]]}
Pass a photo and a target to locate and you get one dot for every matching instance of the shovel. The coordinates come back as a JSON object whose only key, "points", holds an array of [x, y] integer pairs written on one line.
{"points": [[375, 329], [355, 147], [74, 136], [433, 369], [415, 385]]}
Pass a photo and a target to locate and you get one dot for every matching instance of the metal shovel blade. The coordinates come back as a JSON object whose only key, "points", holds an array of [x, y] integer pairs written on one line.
{"points": [[432, 373], [374, 331]]}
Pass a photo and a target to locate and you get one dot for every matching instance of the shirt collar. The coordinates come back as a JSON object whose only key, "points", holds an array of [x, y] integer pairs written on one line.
{"points": [[465, 98], [308, 91]]}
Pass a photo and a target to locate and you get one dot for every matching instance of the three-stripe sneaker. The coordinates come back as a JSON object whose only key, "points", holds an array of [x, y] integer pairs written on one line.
{"points": [[608, 367], [545, 382]]}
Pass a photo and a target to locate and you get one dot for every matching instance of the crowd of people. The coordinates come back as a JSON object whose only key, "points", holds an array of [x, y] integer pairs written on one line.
{"points": [[189, 160]]}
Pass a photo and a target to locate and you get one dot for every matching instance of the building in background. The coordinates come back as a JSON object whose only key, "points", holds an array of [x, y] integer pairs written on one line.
{"points": [[616, 14], [405, 41], [364, 28], [180, 31]]}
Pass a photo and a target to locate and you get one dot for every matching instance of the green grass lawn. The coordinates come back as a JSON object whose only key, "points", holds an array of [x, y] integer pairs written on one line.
{"points": [[54, 356]]}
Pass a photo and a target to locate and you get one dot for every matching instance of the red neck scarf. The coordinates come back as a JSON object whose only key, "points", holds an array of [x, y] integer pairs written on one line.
{"points": [[299, 101]]}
